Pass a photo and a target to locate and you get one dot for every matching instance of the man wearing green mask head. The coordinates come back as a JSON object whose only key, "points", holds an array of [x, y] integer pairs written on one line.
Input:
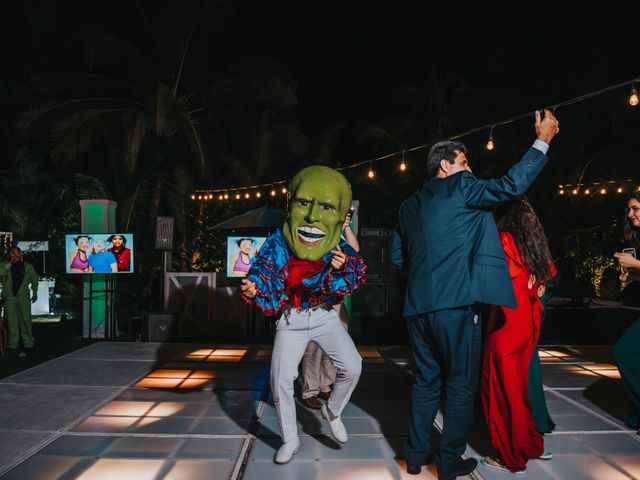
{"points": [[320, 200], [300, 273]]}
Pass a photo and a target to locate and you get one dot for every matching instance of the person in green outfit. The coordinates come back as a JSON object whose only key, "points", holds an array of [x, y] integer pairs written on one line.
{"points": [[627, 349], [541, 418], [16, 277]]}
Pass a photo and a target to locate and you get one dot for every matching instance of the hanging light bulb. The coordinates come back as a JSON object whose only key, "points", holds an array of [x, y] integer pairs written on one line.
{"points": [[633, 97], [403, 164], [211, 196], [284, 190], [603, 191], [237, 196], [490, 145], [561, 191], [258, 194], [246, 195], [226, 196], [574, 191], [193, 197], [220, 197], [619, 190], [371, 173], [273, 193], [199, 197], [587, 191]]}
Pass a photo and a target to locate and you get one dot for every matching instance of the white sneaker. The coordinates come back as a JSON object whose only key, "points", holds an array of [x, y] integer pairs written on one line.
{"points": [[337, 427], [286, 451], [546, 455]]}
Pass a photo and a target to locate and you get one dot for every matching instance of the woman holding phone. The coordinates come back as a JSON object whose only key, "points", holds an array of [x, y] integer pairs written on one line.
{"points": [[627, 349]]}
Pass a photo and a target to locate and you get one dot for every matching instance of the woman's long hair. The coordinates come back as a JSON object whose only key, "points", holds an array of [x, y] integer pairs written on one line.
{"points": [[521, 221], [631, 234]]}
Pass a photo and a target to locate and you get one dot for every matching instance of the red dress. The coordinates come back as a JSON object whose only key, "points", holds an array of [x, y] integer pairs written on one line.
{"points": [[512, 336]]}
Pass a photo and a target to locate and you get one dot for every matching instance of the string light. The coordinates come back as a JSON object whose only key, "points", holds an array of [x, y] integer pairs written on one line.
{"points": [[490, 144], [246, 195], [575, 191], [587, 192], [619, 190], [284, 190], [226, 196], [633, 101], [258, 194], [237, 196], [603, 191], [561, 191], [633, 97], [403, 165], [220, 197]]}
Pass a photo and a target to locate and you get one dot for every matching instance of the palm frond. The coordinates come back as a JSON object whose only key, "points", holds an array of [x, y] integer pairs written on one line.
{"points": [[78, 132], [136, 131], [87, 187]]}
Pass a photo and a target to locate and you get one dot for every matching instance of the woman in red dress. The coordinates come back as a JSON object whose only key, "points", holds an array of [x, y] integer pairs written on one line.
{"points": [[512, 336]]}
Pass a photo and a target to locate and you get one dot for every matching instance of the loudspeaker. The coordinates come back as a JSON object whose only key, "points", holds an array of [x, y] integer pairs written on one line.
{"points": [[373, 248], [394, 299], [161, 326], [368, 300], [164, 233]]}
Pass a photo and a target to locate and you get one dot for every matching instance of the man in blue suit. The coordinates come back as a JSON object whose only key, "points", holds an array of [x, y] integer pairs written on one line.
{"points": [[447, 242]]}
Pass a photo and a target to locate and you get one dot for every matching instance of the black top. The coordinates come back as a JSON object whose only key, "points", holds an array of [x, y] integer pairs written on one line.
{"points": [[17, 275]]}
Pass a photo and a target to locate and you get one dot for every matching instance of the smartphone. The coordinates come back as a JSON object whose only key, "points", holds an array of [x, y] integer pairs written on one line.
{"points": [[630, 251]]}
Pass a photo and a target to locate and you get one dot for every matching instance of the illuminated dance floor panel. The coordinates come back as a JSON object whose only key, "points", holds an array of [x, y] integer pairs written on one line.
{"points": [[175, 411]]}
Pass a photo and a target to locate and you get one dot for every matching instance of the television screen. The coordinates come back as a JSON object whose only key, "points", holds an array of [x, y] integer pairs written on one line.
{"points": [[99, 253], [240, 253]]}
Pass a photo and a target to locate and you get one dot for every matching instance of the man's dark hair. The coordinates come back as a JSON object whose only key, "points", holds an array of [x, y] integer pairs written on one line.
{"points": [[446, 150]]}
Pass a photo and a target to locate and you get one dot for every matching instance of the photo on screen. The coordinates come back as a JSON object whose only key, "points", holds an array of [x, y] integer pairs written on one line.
{"points": [[99, 253], [240, 253]]}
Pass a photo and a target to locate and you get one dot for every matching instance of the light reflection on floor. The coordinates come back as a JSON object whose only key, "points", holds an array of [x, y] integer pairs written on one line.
{"points": [[174, 423]]}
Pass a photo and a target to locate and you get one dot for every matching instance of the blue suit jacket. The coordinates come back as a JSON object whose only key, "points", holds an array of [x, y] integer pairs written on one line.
{"points": [[447, 241]]}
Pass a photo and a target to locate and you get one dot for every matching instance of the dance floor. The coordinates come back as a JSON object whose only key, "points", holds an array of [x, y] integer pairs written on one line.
{"points": [[175, 411]]}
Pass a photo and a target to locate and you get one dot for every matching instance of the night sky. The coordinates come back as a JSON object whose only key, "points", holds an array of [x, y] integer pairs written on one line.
{"points": [[348, 57], [365, 63]]}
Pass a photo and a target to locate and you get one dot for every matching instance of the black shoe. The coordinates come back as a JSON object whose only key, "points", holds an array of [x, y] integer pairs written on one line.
{"points": [[464, 467], [415, 469]]}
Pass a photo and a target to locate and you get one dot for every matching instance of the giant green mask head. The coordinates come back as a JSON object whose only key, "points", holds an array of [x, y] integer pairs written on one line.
{"points": [[320, 200]]}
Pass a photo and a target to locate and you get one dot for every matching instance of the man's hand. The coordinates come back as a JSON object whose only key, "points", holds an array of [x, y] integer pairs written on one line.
{"points": [[248, 288], [546, 128], [34, 299], [339, 258]]}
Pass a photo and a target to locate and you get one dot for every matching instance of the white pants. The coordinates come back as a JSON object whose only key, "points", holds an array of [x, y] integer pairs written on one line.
{"points": [[318, 373], [294, 331]]}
